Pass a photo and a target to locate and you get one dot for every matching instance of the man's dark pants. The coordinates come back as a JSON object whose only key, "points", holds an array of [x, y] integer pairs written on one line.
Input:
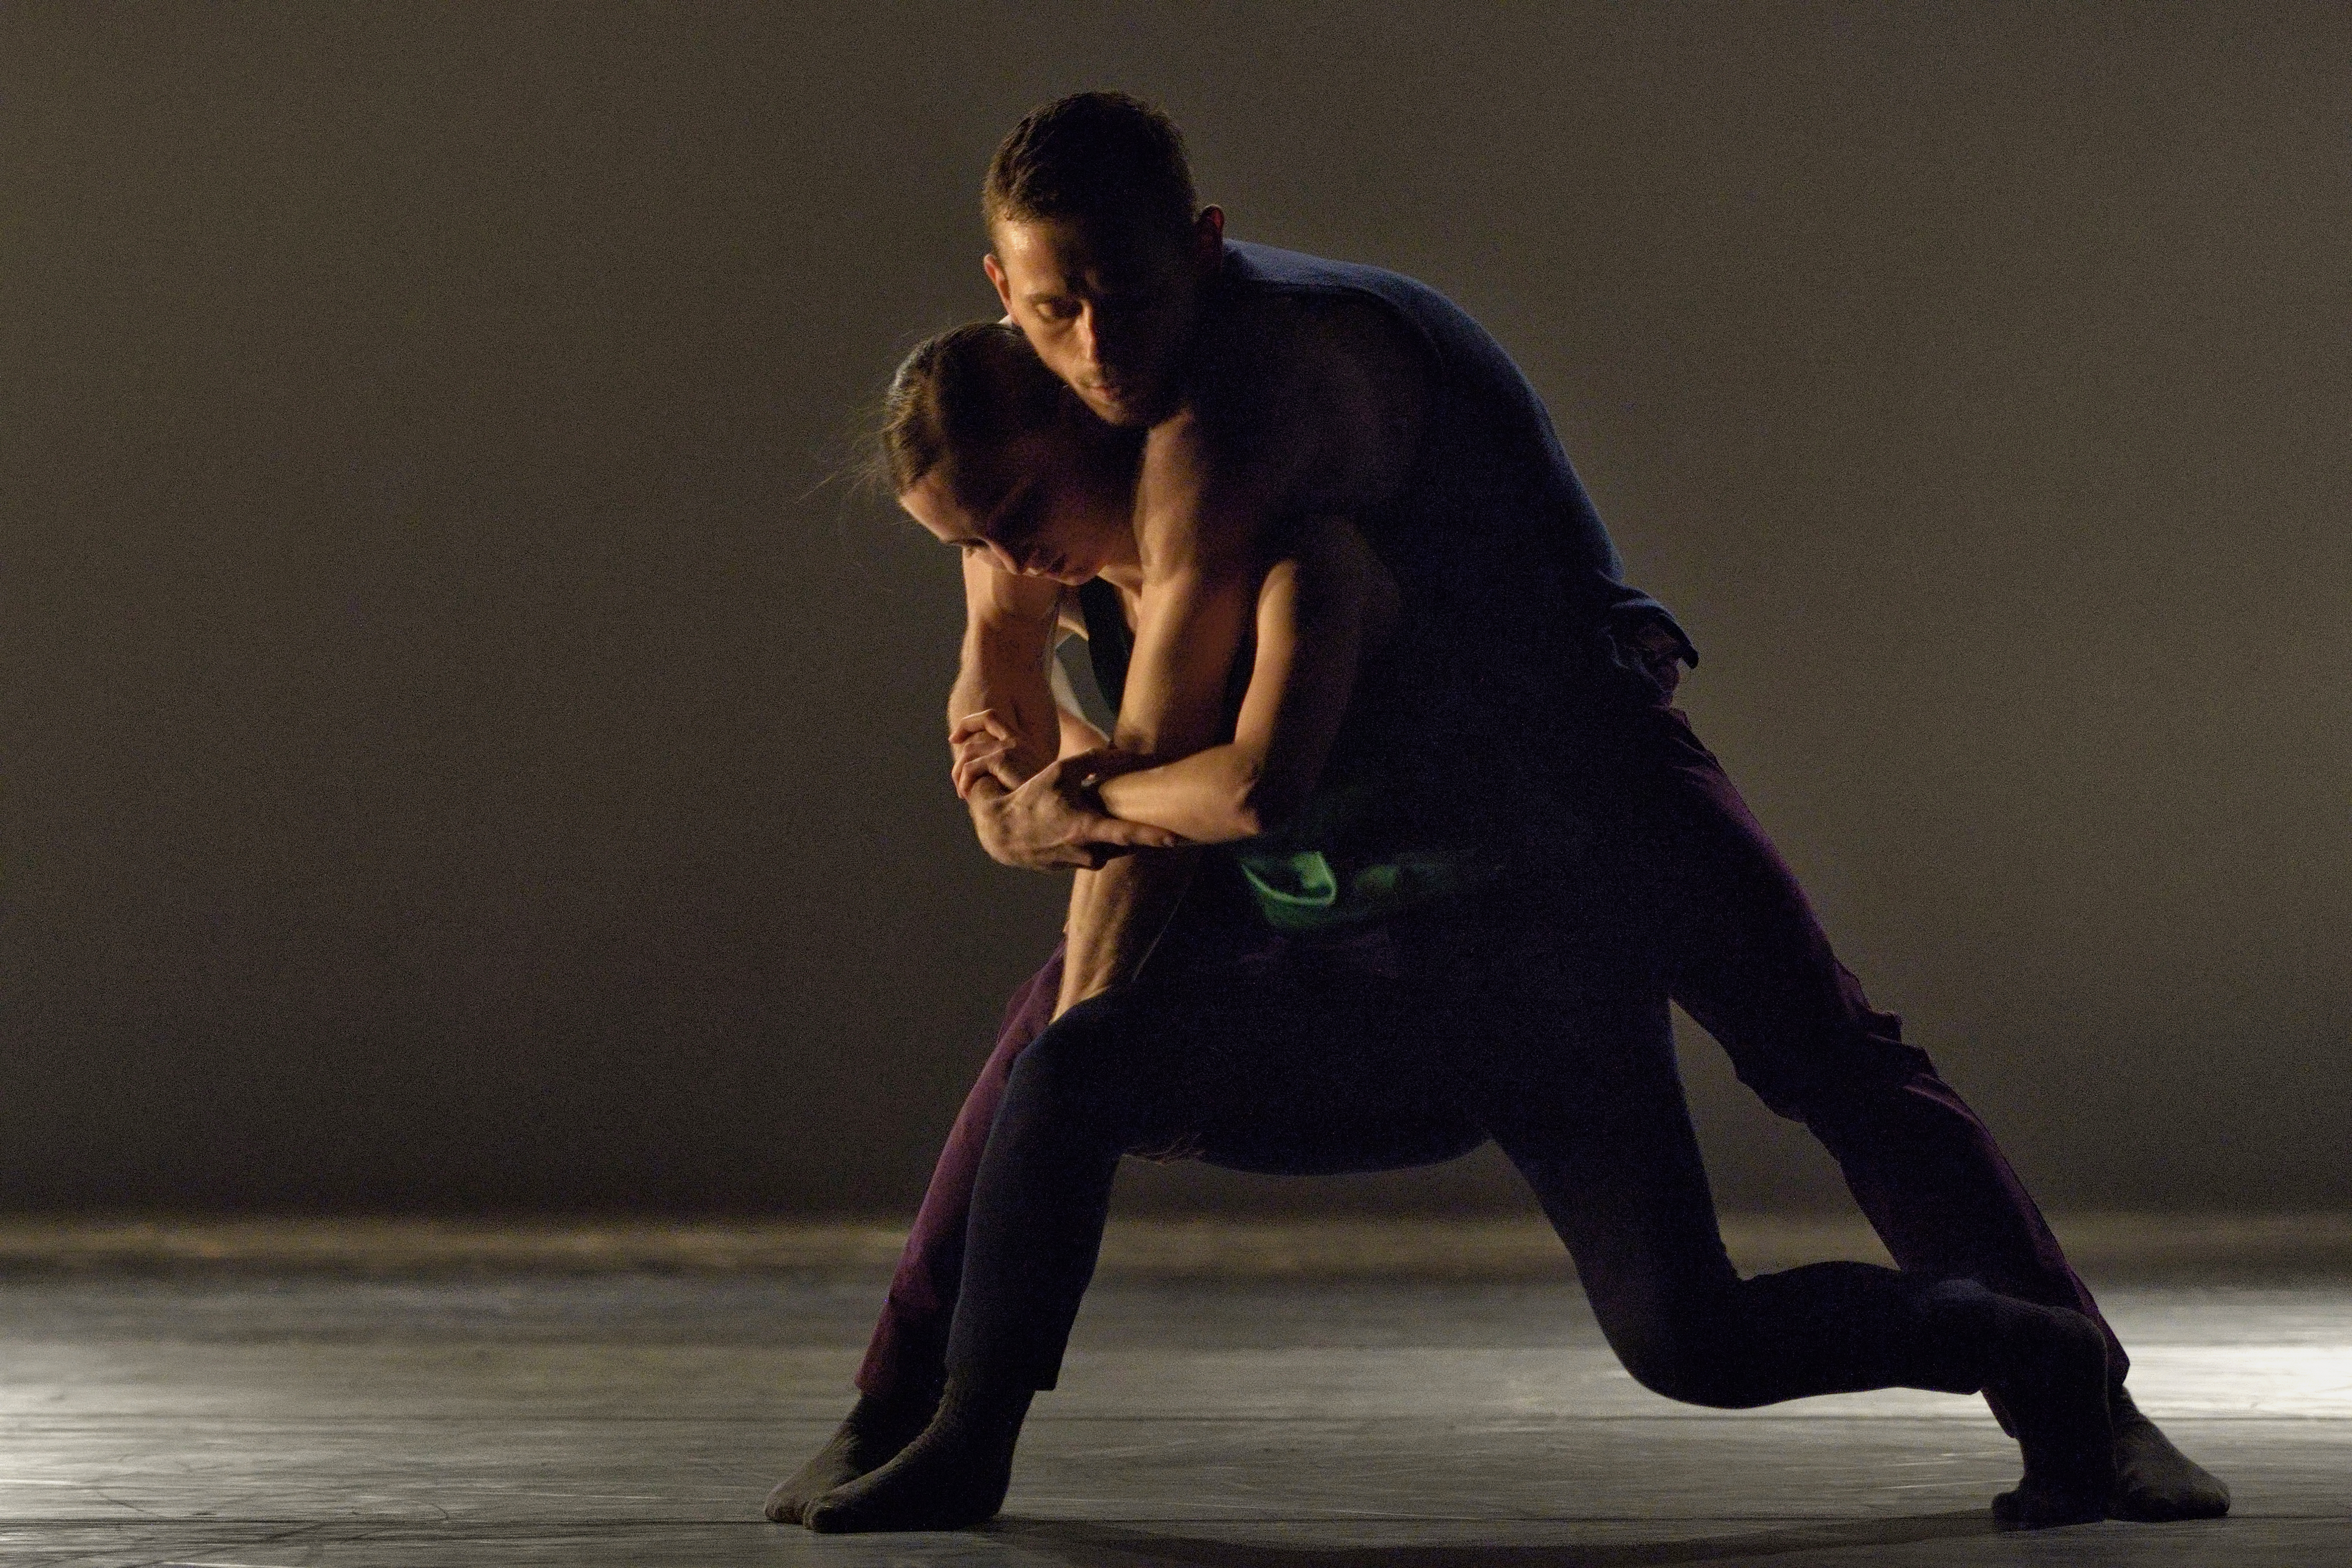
{"points": [[1686, 898]]}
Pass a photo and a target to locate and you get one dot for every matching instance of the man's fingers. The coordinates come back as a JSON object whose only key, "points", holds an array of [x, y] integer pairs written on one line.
{"points": [[1134, 834]]}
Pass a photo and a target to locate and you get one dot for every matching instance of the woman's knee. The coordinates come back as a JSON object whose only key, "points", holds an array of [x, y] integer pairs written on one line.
{"points": [[1069, 1059], [1092, 1065]]}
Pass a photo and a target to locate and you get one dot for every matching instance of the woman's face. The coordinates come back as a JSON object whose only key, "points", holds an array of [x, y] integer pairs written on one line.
{"points": [[1038, 509]]}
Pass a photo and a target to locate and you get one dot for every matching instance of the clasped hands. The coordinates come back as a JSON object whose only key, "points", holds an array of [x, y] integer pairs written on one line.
{"points": [[1050, 819]]}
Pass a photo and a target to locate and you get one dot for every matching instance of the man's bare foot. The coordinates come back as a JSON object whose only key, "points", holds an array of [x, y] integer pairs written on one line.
{"points": [[953, 1475], [2049, 1367], [869, 1438], [2156, 1483]]}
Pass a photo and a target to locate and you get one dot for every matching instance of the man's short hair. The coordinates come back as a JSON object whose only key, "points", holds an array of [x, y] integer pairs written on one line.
{"points": [[1091, 156]]}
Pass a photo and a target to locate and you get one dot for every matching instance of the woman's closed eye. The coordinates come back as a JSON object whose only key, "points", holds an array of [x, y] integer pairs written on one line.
{"points": [[1018, 520]]}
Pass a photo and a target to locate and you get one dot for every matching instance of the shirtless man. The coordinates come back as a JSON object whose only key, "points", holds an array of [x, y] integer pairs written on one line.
{"points": [[1265, 385]]}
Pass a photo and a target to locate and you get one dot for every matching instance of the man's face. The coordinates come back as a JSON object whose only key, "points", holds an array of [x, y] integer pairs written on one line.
{"points": [[1031, 512], [1109, 307]]}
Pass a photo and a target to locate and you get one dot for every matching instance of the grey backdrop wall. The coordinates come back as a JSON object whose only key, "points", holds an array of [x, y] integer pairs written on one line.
{"points": [[462, 751]]}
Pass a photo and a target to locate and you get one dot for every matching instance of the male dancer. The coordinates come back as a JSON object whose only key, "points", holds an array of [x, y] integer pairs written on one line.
{"points": [[1268, 385], [1371, 973]]}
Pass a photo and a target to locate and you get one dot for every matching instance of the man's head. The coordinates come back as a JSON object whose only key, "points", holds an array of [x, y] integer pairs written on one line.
{"points": [[1097, 251]]}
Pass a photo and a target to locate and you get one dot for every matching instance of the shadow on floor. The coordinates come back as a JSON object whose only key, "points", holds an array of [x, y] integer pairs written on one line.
{"points": [[1099, 1546]]}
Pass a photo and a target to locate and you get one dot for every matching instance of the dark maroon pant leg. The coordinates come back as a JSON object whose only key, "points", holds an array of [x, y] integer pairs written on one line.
{"points": [[1745, 957], [907, 1355]]}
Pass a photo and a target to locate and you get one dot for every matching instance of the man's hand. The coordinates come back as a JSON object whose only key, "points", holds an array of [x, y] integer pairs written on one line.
{"points": [[1051, 819], [1659, 653]]}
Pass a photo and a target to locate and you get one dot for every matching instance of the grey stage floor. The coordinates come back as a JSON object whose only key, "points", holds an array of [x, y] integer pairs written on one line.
{"points": [[246, 1417]]}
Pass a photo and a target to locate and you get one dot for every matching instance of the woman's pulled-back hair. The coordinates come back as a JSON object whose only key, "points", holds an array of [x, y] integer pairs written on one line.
{"points": [[962, 396]]}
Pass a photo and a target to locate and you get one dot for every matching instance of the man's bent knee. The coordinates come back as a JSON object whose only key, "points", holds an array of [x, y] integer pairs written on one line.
{"points": [[1697, 1360]]}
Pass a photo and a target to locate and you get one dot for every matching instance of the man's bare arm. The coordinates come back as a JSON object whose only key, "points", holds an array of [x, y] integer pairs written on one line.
{"points": [[1197, 531], [1328, 428], [1200, 527], [1330, 431], [1317, 610]]}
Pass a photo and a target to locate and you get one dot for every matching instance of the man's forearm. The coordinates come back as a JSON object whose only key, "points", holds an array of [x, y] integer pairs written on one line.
{"points": [[1210, 797], [1115, 916]]}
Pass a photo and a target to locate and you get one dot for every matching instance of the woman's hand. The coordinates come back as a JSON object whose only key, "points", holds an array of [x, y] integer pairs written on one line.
{"points": [[983, 746]]}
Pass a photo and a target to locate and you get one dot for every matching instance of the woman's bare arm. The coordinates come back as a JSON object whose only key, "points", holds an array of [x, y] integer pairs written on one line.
{"points": [[1009, 625], [1019, 811]]}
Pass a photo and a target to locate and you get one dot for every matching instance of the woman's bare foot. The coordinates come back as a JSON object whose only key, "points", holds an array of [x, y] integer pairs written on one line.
{"points": [[872, 1436], [953, 1475]]}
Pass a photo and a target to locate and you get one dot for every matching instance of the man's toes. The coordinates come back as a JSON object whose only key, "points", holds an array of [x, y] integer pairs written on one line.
{"points": [[2166, 1501], [2156, 1483], [2037, 1507]]}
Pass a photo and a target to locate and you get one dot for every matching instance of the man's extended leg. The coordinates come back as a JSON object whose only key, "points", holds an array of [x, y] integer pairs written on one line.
{"points": [[1572, 1070], [905, 1362], [1743, 952]]}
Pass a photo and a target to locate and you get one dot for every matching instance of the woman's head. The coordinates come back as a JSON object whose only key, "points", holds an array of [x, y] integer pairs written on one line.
{"points": [[984, 447]]}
